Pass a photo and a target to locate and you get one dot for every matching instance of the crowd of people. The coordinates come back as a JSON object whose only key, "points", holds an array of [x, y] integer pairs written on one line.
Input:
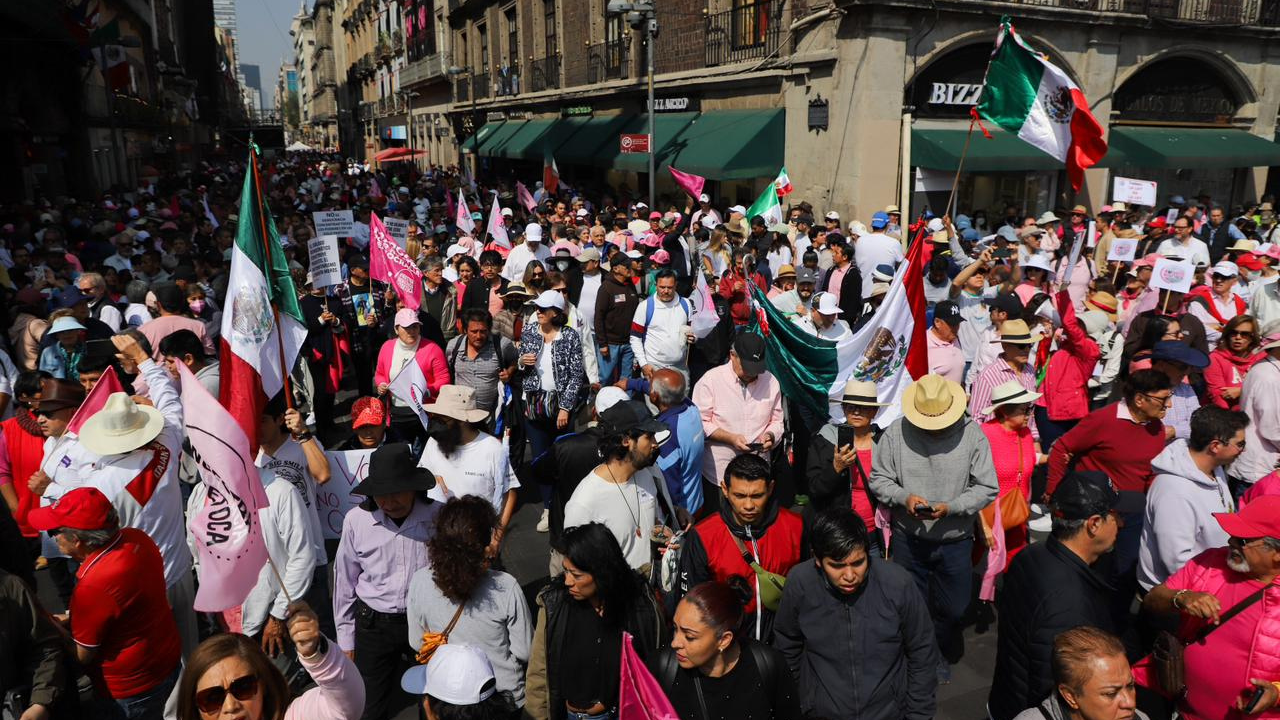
{"points": [[1089, 460]]}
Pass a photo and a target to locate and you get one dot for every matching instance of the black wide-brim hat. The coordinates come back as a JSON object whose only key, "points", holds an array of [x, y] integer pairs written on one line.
{"points": [[392, 470]]}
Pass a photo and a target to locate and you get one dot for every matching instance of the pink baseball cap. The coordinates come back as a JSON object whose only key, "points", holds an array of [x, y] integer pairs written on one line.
{"points": [[406, 317]]}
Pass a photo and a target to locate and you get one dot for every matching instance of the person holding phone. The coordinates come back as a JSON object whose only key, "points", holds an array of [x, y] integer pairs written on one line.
{"points": [[840, 458]]}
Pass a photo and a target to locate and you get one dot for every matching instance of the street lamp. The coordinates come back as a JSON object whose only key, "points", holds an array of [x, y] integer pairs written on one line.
{"points": [[641, 15]]}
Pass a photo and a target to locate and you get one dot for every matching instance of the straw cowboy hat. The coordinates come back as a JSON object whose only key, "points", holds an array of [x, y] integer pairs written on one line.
{"points": [[121, 426], [861, 392], [392, 470], [1010, 393], [934, 402], [1016, 332], [1104, 301], [457, 402]]}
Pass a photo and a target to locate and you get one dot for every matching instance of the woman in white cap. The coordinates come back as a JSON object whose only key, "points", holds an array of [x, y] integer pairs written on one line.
{"points": [[458, 683], [62, 358], [1014, 453]]}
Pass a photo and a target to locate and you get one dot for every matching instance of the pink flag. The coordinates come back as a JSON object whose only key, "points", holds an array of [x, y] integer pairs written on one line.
{"points": [[997, 557], [102, 390], [640, 697], [463, 220], [688, 182], [389, 263], [226, 529], [375, 190], [497, 230], [448, 202], [522, 194]]}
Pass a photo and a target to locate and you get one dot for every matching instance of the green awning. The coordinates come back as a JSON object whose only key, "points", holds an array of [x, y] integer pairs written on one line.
{"points": [[490, 135], [940, 149], [729, 144], [1174, 147]]}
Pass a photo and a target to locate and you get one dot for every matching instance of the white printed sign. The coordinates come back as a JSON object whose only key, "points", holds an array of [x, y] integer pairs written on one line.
{"points": [[398, 230], [1133, 191], [334, 498], [338, 223], [1172, 275], [1123, 250], [326, 269]]}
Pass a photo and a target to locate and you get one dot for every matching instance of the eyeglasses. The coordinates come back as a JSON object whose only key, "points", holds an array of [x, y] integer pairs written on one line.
{"points": [[1174, 335], [1242, 543], [1165, 401], [210, 700], [1241, 333]]}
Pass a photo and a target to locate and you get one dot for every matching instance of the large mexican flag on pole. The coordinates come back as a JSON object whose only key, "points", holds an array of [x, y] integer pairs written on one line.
{"points": [[262, 324], [1035, 100]]}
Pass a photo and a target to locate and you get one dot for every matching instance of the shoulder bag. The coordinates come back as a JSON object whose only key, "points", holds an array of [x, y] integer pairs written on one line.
{"points": [[431, 641], [771, 583], [1167, 655]]}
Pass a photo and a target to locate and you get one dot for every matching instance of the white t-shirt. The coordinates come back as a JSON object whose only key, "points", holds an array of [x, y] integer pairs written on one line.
{"points": [[587, 300], [290, 463], [482, 467], [625, 509], [871, 251]]}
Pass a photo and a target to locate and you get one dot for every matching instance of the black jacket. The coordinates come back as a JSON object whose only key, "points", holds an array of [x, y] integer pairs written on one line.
{"points": [[868, 656], [1047, 590], [850, 292], [563, 466], [827, 488]]}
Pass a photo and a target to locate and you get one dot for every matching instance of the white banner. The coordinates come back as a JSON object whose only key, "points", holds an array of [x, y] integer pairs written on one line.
{"points": [[326, 269], [398, 230], [334, 498], [410, 386], [1133, 191], [1172, 275], [338, 223]]}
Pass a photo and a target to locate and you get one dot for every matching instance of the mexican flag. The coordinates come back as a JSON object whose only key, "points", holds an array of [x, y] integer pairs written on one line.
{"points": [[261, 318], [783, 184], [550, 173], [1032, 98], [889, 349], [767, 206]]}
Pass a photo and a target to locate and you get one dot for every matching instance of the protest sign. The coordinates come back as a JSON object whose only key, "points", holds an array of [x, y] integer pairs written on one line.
{"points": [[1133, 191], [334, 498], [338, 223], [1172, 275], [326, 270], [398, 229], [388, 263], [1123, 250]]}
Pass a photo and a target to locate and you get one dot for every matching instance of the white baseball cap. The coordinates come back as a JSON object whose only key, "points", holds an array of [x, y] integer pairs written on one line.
{"points": [[550, 299], [738, 209], [533, 232], [1225, 268], [506, 212], [828, 305], [456, 674], [833, 215], [456, 249], [609, 396], [704, 198]]}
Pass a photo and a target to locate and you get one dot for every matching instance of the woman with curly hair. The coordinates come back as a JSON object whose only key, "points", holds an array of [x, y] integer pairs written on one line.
{"points": [[457, 594]]}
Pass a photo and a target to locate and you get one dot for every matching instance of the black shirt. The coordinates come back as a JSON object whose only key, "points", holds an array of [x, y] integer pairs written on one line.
{"points": [[590, 656], [740, 694]]}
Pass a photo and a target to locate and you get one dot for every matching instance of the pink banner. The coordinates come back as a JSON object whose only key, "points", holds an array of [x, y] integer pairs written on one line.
{"points": [[688, 182], [389, 263], [640, 697], [102, 390], [522, 194], [496, 228], [997, 557], [226, 529]]}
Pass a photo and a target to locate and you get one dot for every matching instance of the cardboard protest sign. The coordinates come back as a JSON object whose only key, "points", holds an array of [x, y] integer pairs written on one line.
{"points": [[326, 269], [1123, 250], [1172, 275], [338, 223], [334, 498], [1133, 191]]}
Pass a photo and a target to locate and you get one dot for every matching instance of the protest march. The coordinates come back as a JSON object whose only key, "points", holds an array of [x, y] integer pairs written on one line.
{"points": [[292, 435]]}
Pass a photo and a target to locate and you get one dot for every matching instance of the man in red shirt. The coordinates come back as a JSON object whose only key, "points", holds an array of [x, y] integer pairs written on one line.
{"points": [[119, 612]]}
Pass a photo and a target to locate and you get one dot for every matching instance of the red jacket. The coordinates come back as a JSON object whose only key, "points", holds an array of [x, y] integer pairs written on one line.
{"points": [[1227, 370], [430, 358], [740, 300], [711, 553], [1066, 384], [24, 445]]}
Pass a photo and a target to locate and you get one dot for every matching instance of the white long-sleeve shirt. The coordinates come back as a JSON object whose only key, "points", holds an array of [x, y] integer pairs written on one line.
{"points": [[660, 340], [1260, 400]]}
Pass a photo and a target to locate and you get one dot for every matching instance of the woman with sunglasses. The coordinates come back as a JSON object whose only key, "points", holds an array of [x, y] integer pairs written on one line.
{"points": [[1014, 452], [229, 676], [1236, 353]]}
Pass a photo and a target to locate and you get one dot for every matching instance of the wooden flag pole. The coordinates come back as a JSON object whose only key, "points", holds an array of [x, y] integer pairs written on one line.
{"points": [[955, 184], [275, 309], [1115, 274]]}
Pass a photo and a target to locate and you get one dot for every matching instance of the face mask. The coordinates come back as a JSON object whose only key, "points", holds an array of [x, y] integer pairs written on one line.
{"points": [[197, 306]]}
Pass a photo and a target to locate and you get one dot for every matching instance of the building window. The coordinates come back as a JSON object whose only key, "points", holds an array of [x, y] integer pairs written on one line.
{"points": [[483, 32], [513, 37], [750, 22], [552, 44]]}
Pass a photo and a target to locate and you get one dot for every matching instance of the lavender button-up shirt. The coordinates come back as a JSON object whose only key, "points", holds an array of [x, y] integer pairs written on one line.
{"points": [[376, 560]]}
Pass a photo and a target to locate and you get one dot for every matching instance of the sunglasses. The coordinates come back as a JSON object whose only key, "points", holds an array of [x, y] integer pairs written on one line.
{"points": [[1241, 333], [210, 700]]}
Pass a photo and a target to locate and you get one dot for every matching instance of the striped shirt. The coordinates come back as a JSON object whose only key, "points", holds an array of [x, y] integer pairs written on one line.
{"points": [[991, 377]]}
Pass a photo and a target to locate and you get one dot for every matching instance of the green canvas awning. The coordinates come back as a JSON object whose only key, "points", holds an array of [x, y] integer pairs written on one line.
{"points": [[940, 149], [490, 135], [1174, 147], [729, 144], [524, 142]]}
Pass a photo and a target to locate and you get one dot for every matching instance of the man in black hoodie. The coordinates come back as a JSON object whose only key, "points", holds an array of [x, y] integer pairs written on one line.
{"points": [[751, 528]]}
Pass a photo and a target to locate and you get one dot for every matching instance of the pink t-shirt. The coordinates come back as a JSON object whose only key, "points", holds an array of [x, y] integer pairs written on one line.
{"points": [[945, 358], [860, 501], [1217, 669]]}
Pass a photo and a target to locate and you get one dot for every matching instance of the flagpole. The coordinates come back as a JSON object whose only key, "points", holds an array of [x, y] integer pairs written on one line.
{"points": [[275, 310], [955, 184]]}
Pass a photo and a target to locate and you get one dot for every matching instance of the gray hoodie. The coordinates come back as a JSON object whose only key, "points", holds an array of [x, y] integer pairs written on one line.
{"points": [[1178, 523], [1053, 709]]}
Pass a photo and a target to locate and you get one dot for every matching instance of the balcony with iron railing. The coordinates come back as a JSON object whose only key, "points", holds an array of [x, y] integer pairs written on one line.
{"points": [[480, 87], [506, 81], [462, 89], [609, 60], [750, 31], [1226, 13], [544, 73], [426, 69]]}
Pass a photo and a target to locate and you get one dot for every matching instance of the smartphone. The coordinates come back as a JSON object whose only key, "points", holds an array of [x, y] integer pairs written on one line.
{"points": [[1256, 698], [844, 435], [1002, 253], [922, 509], [755, 447]]}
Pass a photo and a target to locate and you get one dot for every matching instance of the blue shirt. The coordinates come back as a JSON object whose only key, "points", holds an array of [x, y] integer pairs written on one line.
{"points": [[680, 457]]}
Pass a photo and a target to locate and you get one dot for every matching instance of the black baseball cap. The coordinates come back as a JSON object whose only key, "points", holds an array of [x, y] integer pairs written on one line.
{"points": [[749, 347], [949, 313], [1085, 493], [1007, 302], [632, 415]]}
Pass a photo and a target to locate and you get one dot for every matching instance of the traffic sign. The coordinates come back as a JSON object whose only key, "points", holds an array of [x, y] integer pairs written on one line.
{"points": [[634, 143]]}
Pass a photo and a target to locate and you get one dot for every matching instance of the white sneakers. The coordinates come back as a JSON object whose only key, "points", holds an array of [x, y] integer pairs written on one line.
{"points": [[544, 523]]}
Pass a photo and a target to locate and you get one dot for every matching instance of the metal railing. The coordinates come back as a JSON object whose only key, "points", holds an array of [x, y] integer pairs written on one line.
{"points": [[506, 81], [480, 86], [429, 67], [750, 31], [544, 73], [1265, 13], [462, 89], [609, 60]]}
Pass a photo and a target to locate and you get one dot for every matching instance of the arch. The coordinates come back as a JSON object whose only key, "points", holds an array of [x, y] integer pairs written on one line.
{"points": [[987, 38], [1224, 67]]}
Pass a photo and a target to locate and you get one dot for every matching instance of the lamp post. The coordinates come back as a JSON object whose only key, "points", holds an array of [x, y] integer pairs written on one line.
{"points": [[642, 15]]}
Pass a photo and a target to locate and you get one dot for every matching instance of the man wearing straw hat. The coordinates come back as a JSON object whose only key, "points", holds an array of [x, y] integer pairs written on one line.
{"points": [[933, 468], [129, 452]]}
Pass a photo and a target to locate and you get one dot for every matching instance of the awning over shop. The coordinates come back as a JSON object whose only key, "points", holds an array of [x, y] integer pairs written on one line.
{"points": [[1175, 147], [719, 144], [940, 149]]}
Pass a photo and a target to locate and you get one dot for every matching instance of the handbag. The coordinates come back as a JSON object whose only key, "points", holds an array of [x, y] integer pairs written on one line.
{"points": [[1168, 658], [541, 404], [431, 641], [1014, 508], [770, 583]]}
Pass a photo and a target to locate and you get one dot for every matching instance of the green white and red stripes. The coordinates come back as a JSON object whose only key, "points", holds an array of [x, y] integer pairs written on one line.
{"points": [[1034, 99]]}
